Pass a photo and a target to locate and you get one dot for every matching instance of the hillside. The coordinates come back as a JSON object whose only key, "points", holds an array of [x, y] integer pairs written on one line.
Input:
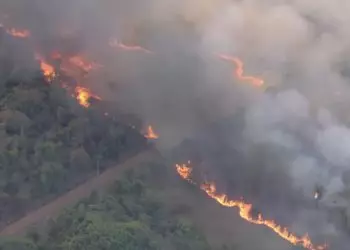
{"points": [[54, 139], [130, 215], [48, 142], [149, 207]]}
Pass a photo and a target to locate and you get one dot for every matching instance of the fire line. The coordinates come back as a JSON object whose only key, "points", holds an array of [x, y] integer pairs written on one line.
{"points": [[83, 96], [16, 32], [151, 134], [47, 69], [123, 46], [245, 209], [240, 71], [184, 170]]}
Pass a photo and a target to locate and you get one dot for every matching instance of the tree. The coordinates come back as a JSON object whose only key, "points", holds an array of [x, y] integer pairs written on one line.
{"points": [[47, 140], [128, 216], [28, 101], [57, 96], [51, 175], [79, 159], [47, 151], [17, 244], [63, 116], [15, 121]]}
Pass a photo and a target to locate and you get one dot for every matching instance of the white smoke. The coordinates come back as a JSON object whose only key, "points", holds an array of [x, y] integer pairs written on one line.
{"points": [[300, 45], [334, 143]]}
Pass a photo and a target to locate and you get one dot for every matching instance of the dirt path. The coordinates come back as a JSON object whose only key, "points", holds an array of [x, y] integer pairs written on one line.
{"points": [[72, 197]]}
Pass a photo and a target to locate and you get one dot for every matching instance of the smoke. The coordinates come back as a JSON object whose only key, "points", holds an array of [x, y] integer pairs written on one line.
{"points": [[300, 46], [273, 147]]}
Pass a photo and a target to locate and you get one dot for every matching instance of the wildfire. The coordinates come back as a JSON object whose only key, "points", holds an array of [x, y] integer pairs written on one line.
{"points": [[116, 44], [16, 32], [151, 134], [47, 69], [83, 63], [184, 171], [245, 210], [56, 55], [83, 96], [239, 70]]}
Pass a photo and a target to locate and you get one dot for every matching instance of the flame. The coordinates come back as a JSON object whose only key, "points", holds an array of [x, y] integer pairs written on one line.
{"points": [[18, 33], [116, 44], [83, 96], [245, 210], [151, 134], [83, 63], [184, 171], [47, 69], [239, 70], [56, 55]]}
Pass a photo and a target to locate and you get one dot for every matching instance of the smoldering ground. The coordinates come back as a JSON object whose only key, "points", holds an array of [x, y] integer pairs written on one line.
{"points": [[279, 144]]}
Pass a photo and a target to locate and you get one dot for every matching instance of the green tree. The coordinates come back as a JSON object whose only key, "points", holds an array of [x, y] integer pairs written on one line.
{"points": [[79, 159], [51, 175], [17, 244], [15, 121]]}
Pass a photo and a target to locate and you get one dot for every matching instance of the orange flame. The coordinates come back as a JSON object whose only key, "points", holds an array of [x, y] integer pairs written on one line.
{"points": [[239, 70], [151, 134], [56, 55], [47, 69], [184, 171], [116, 44], [245, 210], [83, 96], [83, 63], [18, 33]]}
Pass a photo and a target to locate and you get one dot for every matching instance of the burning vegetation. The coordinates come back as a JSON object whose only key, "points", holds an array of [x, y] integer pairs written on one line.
{"points": [[245, 211], [47, 69], [83, 64], [73, 66], [184, 171], [114, 43], [77, 66], [239, 71], [84, 96], [151, 134], [21, 33], [49, 143]]}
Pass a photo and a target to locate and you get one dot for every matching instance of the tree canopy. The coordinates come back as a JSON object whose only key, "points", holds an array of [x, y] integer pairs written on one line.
{"points": [[48, 142], [131, 215]]}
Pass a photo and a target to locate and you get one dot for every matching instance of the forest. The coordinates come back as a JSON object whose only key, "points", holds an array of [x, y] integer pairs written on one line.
{"points": [[49, 143], [132, 214]]}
